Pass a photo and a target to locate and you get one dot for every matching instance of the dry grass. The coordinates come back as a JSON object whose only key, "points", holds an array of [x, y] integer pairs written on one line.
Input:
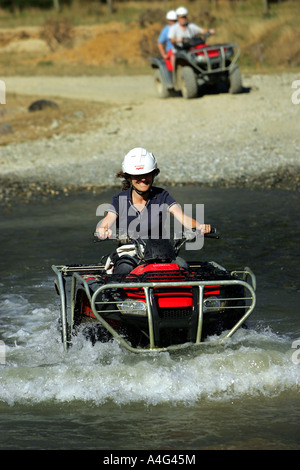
{"points": [[118, 44], [265, 40], [71, 117]]}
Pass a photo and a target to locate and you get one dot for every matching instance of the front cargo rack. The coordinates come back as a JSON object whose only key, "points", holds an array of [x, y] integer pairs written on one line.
{"points": [[99, 302]]}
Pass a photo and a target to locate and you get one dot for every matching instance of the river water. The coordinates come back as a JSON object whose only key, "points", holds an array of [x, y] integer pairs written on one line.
{"points": [[244, 395]]}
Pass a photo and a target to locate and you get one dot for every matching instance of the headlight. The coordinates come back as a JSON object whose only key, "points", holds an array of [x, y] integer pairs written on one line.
{"points": [[133, 307], [228, 52], [211, 304], [201, 59]]}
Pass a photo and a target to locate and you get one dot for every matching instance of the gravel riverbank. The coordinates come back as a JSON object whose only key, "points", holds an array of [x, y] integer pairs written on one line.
{"points": [[251, 139]]}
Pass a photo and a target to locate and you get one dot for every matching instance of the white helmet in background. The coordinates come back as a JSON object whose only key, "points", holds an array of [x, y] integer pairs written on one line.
{"points": [[181, 11], [171, 15], [139, 161]]}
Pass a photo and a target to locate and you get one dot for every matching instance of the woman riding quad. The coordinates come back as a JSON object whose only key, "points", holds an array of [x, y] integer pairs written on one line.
{"points": [[141, 210]]}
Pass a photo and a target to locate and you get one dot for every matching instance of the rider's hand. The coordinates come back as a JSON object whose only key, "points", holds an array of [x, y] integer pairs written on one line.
{"points": [[103, 233], [204, 228]]}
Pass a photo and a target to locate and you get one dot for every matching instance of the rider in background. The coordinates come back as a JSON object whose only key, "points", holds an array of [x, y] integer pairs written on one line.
{"points": [[163, 43], [184, 29]]}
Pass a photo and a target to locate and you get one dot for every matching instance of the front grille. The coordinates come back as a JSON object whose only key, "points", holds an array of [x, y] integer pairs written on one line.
{"points": [[183, 312]]}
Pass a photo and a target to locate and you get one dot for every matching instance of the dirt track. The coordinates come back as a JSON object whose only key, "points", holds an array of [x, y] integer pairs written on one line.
{"points": [[108, 89], [218, 139]]}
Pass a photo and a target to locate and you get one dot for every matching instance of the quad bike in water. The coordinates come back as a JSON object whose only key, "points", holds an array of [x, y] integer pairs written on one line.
{"points": [[165, 303], [196, 65]]}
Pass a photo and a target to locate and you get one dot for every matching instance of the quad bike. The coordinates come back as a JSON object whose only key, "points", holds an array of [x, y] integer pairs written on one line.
{"points": [[165, 303], [196, 65]]}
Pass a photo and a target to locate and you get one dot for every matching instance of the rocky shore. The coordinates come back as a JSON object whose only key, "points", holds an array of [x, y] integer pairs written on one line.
{"points": [[247, 140]]}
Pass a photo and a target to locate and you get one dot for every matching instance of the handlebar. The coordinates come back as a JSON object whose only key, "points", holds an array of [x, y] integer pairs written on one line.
{"points": [[187, 43], [190, 234], [213, 233]]}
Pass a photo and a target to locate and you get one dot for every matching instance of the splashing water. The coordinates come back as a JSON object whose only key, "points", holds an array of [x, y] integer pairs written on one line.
{"points": [[37, 370]]}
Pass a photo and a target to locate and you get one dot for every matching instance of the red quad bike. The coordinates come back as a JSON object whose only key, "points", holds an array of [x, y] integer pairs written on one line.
{"points": [[196, 65], [165, 303]]}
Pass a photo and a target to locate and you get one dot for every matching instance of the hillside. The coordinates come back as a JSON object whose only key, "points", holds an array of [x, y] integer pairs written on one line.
{"points": [[58, 45]]}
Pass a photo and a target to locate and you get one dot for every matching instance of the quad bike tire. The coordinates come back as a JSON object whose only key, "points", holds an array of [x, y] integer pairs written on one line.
{"points": [[160, 86], [189, 86], [235, 80]]}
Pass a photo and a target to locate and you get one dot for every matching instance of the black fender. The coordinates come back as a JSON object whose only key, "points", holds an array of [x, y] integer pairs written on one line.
{"points": [[167, 76]]}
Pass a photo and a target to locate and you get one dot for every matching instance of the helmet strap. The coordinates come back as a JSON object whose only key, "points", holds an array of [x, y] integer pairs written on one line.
{"points": [[138, 191]]}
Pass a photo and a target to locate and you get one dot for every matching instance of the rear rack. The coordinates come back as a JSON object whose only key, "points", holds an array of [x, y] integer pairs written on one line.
{"points": [[97, 301]]}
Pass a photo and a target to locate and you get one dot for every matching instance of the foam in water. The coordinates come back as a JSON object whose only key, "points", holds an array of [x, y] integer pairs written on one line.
{"points": [[252, 363]]}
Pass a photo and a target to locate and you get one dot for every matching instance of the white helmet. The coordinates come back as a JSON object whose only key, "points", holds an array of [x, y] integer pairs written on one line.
{"points": [[171, 15], [139, 161], [181, 11]]}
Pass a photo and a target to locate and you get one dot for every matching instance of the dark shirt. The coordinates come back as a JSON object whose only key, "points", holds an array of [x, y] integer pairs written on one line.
{"points": [[151, 222]]}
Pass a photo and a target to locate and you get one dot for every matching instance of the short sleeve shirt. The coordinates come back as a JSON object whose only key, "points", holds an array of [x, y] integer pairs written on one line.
{"points": [[151, 222], [164, 39], [178, 33]]}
